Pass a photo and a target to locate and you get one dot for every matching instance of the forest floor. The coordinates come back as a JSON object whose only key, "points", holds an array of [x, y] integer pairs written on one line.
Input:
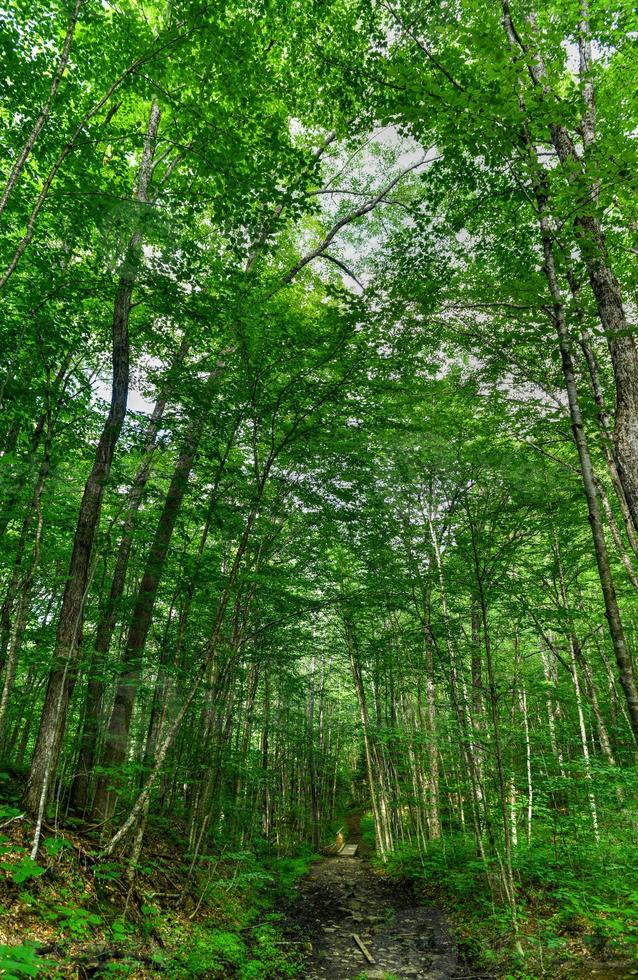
{"points": [[343, 897], [406, 932], [74, 914]]}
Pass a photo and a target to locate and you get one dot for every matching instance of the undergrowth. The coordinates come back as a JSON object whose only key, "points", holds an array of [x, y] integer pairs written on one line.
{"points": [[72, 913], [577, 902]]}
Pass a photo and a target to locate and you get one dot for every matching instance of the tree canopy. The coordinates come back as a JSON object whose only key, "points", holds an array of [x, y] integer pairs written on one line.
{"points": [[319, 440]]}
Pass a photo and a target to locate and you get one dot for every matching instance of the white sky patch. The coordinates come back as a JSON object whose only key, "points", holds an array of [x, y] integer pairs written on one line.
{"points": [[573, 58], [137, 402], [137, 399]]}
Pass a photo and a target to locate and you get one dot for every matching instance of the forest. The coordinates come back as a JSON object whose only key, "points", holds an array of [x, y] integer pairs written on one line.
{"points": [[318, 486]]}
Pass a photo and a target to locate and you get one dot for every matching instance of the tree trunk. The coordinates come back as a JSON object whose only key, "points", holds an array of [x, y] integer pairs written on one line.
{"points": [[43, 115], [119, 724], [612, 610], [591, 240], [108, 616], [54, 712], [375, 774]]}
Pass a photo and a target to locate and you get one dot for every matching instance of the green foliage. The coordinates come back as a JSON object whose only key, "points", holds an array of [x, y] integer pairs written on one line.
{"points": [[350, 541], [386, 976], [22, 868], [122, 968], [8, 813], [108, 871], [56, 845], [287, 871], [120, 929], [22, 961], [566, 892], [367, 829], [221, 953], [25, 869], [73, 920], [268, 960], [216, 952]]}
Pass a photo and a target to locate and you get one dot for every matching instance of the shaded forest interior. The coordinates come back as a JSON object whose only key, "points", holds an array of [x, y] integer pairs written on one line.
{"points": [[318, 475]]}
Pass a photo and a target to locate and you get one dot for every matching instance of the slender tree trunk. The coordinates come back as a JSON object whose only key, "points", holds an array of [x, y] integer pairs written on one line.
{"points": [[43, 115], [108, 619], [612, 610], [433, 749], [375, 777], [208, 657], [550, 679], [461, 704], [20, 583], [117, 734], [54, 712], [591, 240], [528, 762], [574, 648], [506, 867], [19, 624], [607, 439], [312, 768], [50, 411]]}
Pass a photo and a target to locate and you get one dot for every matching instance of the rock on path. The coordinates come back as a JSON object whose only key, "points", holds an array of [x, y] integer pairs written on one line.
{"points": [[342, 896]]}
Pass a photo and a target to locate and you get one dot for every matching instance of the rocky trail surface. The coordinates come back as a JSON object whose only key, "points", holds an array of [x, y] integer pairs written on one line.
{"points": [[344, 897]]}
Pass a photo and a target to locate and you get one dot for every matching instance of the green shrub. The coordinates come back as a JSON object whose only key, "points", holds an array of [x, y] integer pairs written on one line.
{"points": [[565, 889], [73, 920], [268, 960], [209, 953], [367, 830], [17, 962]]}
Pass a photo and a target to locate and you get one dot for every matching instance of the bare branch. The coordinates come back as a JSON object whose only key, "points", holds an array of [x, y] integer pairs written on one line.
{"points": [[343, 267], [359, 212]]}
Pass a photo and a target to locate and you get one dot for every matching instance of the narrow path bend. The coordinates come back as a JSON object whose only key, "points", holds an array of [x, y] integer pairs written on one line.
{"points": [[344, 896]]}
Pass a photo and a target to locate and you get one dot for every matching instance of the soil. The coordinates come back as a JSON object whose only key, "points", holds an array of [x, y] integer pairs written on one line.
{"points": [[345, 896]]}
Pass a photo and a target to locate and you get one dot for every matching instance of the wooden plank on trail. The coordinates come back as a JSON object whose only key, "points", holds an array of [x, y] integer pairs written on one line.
{"points": [[348, 850], [364, 949]]}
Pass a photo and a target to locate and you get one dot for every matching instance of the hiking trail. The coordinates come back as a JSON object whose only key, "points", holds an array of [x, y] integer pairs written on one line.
{"points": [[344, 897]]}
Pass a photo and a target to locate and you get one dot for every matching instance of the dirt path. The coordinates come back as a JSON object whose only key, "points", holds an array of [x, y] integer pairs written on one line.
{"points": [[344, 896]]}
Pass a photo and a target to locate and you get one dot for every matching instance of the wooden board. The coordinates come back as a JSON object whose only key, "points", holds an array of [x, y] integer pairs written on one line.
{"points": [[364, 949], [348, 850]]}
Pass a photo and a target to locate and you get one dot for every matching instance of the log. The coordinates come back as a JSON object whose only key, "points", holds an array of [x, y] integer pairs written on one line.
{"points": [[364, 949]]}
